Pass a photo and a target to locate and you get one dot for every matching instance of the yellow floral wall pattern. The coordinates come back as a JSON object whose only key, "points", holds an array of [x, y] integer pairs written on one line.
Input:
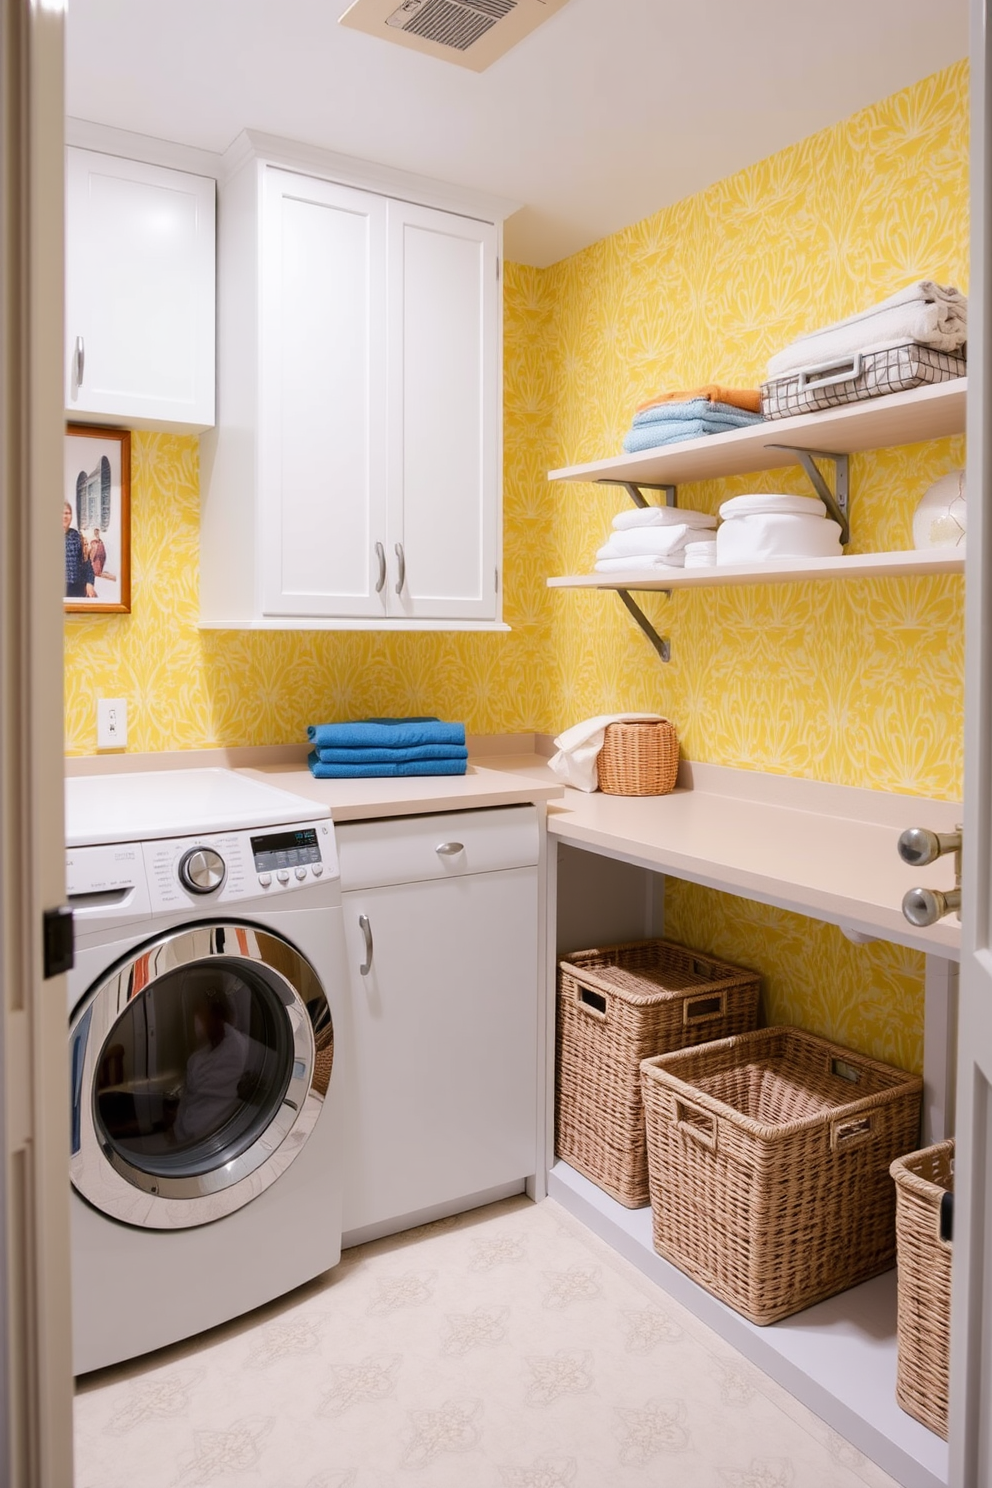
{"points": [[858, 683]]}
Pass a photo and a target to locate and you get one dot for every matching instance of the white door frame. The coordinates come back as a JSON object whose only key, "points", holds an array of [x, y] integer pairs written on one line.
{"points": [[35, 1353], [971, 1308]]}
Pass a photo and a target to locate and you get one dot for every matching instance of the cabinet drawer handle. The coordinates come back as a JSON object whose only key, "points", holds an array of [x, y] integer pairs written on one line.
{"points": [[401, 556], [380, 554], [80, 360], [366, 929], [448, 849]]}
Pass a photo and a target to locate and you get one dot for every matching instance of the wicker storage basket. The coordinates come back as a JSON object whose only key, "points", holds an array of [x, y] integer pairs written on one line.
{"points": [[769, 1158], [922, 1180], [855, 378], [639, 759], [616, 1006]]}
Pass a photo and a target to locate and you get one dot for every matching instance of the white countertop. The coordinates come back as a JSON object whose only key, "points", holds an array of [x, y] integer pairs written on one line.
{"points": [[499, 780], [826, 851]]}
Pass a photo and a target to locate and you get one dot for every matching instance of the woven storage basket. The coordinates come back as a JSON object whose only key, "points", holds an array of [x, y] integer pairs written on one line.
{"points": [[639, 759], [922, 1180], [616, 1006], [769, 1158]]}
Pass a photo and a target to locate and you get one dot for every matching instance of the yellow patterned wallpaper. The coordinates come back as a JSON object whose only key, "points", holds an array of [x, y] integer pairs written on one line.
{"points": [[868, 997], [189, 689], [856, 682]]}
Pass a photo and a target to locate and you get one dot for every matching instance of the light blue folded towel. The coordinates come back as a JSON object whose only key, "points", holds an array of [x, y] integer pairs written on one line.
{"points": [[360, 772], [693, 408], [652, 436], [373, 756], [389, 733]]}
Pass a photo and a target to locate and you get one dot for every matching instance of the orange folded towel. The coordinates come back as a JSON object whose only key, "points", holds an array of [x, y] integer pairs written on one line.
{"points": [[746, 398]]}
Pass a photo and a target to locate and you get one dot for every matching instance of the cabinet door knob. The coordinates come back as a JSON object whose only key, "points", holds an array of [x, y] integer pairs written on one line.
{"points": [[366, 929], [918, 845], [449, 849], [927, 906], [380, 554], [401, 557]]}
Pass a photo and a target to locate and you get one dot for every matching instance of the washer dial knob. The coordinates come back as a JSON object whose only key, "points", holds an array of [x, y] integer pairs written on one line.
{"points": [[202, 870]]}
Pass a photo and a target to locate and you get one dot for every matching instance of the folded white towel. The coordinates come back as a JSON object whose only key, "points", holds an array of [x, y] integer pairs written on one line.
{"points": [[659, 541], [661, 516], [759, 504], [579, 746], [778, 535], [700, 554], [931, 314], [642, 563]]}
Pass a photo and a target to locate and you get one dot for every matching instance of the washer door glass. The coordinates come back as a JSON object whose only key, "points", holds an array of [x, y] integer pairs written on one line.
{"points": [[199, 1067], [194, 1071]]}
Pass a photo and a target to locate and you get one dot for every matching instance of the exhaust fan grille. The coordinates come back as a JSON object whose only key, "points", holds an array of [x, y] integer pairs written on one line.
{"points": [[450, 24], [472, 33]]}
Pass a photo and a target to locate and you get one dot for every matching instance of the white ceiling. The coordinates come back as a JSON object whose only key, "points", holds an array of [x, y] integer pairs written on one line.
{"points": [[611, 110]]}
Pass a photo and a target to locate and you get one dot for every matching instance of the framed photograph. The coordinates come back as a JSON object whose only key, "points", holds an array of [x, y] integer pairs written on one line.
{"points": [[96, 520]]}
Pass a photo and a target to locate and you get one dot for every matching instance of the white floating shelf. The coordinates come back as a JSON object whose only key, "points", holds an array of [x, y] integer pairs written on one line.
{"points": [[897, 418], [775, 571]]}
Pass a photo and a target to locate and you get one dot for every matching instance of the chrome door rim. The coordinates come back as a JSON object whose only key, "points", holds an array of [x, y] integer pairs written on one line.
{"points": [[101, 1173]]}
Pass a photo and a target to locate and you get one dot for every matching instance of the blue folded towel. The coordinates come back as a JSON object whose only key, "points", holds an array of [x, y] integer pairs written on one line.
{"points": [[652, 436], [392, 733], [392, 756], [693, 408], [360, 772]]}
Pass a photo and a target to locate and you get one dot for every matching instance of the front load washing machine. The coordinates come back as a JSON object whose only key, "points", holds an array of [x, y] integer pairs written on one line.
{"points": [[206, 1012]]}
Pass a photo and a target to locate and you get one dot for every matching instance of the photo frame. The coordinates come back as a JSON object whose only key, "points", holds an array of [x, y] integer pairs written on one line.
{"points": [[96, 520]]}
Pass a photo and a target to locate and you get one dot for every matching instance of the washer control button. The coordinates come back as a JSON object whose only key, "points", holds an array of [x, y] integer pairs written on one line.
{"points": [[301, 872], [316, 869], [265, 879], [283, 875]]}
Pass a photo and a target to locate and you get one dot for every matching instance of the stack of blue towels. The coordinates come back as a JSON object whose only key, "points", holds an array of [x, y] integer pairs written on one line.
{"points": [[387, 746], [666, 423]]}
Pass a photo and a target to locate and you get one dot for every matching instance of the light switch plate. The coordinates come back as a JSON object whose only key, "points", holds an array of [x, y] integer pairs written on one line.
{"points": [[111, 723]]}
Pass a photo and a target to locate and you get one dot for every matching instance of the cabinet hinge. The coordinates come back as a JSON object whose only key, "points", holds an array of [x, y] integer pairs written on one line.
{"points": [[497, 266], [497, 580]]}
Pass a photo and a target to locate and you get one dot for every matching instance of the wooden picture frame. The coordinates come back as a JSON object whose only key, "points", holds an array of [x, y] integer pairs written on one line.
{"points": [[97, 509]]}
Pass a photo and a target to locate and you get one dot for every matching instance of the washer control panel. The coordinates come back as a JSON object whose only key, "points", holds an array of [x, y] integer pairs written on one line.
{"points": [[227, 866]]}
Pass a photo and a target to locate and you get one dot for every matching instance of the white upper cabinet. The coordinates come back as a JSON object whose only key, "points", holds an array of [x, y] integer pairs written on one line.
{"points": [[323, 398], [353, 478], [444, 412], [140, 278]]}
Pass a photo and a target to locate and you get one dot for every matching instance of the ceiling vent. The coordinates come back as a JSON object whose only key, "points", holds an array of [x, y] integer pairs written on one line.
{"points": [[472, 33]]}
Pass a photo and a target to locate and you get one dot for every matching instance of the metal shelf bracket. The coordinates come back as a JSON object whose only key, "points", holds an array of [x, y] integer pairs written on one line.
{"points": [[661, 644], [635, 490], [835, 501]]}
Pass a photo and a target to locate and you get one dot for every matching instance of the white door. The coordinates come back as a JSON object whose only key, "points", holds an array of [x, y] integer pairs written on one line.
{"points": [[971, 1308], [322, 459], [140, 273], [444, 396], [444, 1079], [35, 1344]]}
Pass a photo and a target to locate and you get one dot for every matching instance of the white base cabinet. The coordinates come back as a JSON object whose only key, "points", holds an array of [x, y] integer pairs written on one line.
{"points": [[442, 914], [140, 273], [354, 476]]}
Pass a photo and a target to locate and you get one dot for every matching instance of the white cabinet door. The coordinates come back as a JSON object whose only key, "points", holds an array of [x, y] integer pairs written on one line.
{"points": [[444, 1081], [140, 273], [444, 397], [323, 399]]}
